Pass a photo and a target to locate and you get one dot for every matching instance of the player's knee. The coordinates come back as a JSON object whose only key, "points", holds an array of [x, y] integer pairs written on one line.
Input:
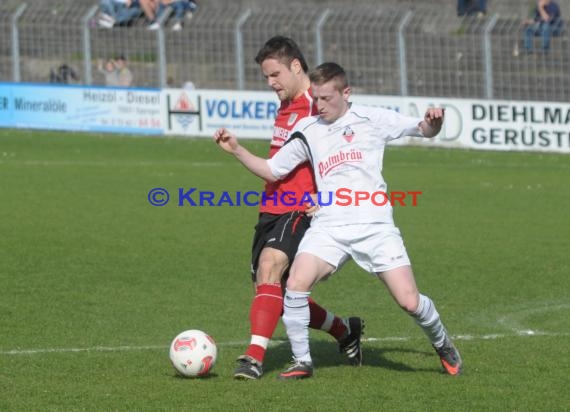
{"points": [[267, 277], [409, 303], [269, 271], [297, 283]]}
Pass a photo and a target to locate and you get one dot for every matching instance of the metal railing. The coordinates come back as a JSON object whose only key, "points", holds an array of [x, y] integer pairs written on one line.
{"points": [[390, 48]]}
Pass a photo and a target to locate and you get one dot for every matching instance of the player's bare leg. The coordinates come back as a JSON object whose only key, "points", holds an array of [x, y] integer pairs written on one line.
{"points": [[402, 285]]}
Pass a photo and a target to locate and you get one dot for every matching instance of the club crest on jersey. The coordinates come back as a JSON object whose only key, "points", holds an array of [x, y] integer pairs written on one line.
{"points": [[348, 134], [292, 119]]}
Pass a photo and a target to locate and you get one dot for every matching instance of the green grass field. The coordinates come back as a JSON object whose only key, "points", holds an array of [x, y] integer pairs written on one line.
{"points": [[95, 282]]}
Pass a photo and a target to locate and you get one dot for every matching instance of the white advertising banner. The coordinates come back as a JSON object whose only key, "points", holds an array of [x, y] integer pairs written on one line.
{"points": [[489, 124], [470, 124], [201, 112]]}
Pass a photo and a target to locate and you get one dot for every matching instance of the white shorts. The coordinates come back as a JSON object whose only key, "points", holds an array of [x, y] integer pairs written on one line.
{"points": [[374, 247]]}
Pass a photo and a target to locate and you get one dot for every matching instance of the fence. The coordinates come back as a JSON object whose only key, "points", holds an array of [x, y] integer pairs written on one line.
{"points": [[395, 48]]}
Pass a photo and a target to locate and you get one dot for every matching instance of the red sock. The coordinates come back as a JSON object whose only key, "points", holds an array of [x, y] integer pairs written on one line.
{"points": [[319, 317], [338, 329], [265, 312]]}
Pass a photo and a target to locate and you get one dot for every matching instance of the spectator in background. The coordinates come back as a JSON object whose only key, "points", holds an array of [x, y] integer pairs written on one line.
{"points": [[63, 74], [189, 85], [109, 72], [124, 74], [150, 7], [117, 12], [472, 7], [547, 22], [181, 8]]}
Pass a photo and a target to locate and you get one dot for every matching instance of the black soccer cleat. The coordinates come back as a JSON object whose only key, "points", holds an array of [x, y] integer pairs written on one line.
{"points": [[350, 345], [248, 368]]}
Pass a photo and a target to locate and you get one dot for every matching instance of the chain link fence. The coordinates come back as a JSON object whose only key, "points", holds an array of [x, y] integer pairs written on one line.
{"points": [[406, 47]]}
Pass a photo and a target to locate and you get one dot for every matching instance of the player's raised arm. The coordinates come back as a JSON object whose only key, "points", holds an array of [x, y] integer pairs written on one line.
{"points": [[433, 120], [256, 165]]}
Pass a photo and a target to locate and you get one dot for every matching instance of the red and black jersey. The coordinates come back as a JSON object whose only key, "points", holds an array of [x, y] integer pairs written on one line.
{"points": [[300, 180]]}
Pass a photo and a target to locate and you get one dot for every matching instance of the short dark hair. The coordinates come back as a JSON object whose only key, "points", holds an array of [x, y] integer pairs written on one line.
{"points": [[326, 72], [283, 49]]}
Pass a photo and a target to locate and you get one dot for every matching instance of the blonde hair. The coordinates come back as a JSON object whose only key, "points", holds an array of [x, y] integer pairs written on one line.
{"points": [[327, 72]]}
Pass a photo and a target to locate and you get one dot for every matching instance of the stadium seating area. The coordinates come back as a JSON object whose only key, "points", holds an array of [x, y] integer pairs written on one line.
{"points": [[389, 47]]}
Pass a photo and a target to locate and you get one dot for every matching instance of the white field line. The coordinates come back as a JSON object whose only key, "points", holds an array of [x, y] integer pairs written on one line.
{"points": [[522, 333]]}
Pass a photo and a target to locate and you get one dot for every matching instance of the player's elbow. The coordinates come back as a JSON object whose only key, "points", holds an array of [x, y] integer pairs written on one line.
{"points": [[270, 178]]}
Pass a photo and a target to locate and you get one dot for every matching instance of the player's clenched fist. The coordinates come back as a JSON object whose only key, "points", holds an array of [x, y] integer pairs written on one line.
{"points": [[434, 117], [226, 140], [433, 120]]}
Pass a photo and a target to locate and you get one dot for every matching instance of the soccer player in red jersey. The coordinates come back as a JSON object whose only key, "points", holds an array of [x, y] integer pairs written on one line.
{"points": [[281, 226]]}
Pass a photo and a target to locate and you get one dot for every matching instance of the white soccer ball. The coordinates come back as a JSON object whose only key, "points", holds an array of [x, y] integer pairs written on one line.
{"points": [[193, 353]]}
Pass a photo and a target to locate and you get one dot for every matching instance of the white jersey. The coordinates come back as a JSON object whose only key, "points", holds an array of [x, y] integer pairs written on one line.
{"points": [[346, 157]]}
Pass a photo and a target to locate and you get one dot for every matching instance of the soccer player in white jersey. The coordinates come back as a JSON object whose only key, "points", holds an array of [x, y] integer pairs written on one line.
{"points": [[345, 145]]}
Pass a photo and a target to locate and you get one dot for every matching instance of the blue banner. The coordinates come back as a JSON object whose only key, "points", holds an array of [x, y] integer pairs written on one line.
{"points": [[97, 109]]}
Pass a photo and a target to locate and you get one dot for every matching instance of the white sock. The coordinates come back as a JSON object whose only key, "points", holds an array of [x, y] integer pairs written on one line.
{"points": [[296, 317], [427, 317]]}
